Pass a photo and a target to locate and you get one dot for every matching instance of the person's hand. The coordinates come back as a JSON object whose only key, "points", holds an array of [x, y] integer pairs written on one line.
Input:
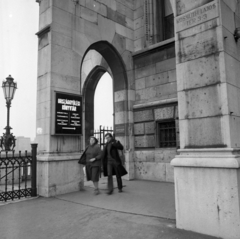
{"points": [[92, 160]]}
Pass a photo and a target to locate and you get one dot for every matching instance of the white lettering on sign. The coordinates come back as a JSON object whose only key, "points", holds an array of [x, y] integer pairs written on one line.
{"points": [[197, 16], [69, 107], [69, 102]]}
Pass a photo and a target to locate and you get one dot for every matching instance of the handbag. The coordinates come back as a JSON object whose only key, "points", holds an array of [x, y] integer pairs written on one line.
{"points": [[82, 159]]}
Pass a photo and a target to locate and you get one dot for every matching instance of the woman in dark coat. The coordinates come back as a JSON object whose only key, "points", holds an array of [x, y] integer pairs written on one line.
{"points": [[93, 163]]}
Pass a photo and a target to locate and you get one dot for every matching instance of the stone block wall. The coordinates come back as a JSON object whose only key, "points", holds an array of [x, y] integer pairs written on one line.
{"points": [[155, 74], [155, 85], [150, 161]]}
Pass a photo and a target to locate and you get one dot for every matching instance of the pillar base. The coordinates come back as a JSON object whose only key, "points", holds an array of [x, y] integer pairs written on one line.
{"points": [[207, 191], [59, 174], [129, 165]]}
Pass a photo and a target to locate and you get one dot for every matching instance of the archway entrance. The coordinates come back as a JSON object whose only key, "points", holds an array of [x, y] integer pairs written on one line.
{"points": [[112, 63]]}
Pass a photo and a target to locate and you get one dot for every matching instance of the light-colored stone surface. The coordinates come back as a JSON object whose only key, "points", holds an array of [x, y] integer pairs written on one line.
{"points": [[205, 132], [169, 173], [202, 44], [121, 117], [150, 128], [150, 171], [139, 129], [146, 141], [58, 176], [182, 7], [145, 115], [158, 79], [164, 113], [144, 156], [107, 28], [165, 155], [44, 58], [218, 198], [234, 131], [140, 84], [205, 68], [166, 65], [206, 180], [45, 18], [197, 16], [228, 19], [120, 95]]}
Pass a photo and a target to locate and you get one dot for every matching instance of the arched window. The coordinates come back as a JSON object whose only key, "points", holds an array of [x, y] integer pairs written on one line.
{"points": [[159, 21]]}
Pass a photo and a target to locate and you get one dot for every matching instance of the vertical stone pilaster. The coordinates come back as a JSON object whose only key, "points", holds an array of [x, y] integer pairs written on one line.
{"points": [[206, 171]]}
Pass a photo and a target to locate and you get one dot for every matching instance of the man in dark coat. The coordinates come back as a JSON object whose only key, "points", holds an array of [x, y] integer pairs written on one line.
{"points": [[112, 164]]}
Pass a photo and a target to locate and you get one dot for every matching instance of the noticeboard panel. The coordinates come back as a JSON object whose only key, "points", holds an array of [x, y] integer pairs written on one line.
{"points": [[68, 117]]}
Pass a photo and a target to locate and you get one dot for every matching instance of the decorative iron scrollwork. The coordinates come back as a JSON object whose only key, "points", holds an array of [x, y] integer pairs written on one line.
{"points": [[7, 142]]}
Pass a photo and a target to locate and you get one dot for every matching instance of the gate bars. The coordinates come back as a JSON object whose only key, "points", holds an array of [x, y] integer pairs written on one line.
{"points": [[99, 134], [18, 175]]}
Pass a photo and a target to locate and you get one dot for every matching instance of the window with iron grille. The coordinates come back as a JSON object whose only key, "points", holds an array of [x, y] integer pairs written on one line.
{"points": [[166, 134]]}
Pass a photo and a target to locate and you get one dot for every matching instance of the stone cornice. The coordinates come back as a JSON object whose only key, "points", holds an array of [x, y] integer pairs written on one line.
{"points": [[154, 46], [207, 158], [155, 103], [43, 31]]}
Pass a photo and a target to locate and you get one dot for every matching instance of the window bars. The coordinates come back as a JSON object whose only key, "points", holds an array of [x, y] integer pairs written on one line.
{"points": [[167, 134], [18, 175]]}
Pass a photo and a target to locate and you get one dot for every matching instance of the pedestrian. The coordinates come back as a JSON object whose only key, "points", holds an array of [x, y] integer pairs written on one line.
{"points": [[91, 157], [112, 164]]}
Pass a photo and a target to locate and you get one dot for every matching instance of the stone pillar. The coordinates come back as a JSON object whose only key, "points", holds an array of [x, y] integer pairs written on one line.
{"points": [[58, 71], [206, 171]]}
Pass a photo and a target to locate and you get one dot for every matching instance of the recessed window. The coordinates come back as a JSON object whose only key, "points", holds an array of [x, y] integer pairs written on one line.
{"points": [[159, 21], [165, 20], [166, 134]]}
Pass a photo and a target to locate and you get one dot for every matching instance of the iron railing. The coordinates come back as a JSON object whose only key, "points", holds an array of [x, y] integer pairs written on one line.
{"points": [[18, 174], [100, 133]]}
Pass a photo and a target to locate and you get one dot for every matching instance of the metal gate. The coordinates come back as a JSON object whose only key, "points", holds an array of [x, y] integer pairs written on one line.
{"points": [[18, 174], [100, 133]]}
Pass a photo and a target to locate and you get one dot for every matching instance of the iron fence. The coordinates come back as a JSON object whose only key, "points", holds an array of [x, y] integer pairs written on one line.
{"points": [[18, 177], [100, 133]]}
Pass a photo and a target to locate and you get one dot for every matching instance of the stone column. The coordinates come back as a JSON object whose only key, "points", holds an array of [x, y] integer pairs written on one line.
{"points": [[58, 71], [206, 171]]}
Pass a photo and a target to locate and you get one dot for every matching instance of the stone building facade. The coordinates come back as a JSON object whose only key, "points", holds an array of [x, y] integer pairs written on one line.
{"points": [[175, 70]]}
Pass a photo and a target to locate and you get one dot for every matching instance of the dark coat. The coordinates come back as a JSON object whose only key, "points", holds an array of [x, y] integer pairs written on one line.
{"points": [[115, 146], [97, 154]]}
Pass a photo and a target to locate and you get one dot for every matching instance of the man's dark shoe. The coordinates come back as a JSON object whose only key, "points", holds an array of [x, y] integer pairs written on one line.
{"points": [[110, 192], [120, 190]]}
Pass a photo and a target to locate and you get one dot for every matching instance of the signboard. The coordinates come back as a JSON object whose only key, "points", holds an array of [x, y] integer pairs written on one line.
{"points": [[197, 16], [68, 118]]}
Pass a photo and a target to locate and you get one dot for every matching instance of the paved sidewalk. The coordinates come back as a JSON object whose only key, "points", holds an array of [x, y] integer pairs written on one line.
{"points": [[139, 212]]}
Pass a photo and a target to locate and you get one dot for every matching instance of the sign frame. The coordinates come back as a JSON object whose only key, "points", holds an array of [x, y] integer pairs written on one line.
{"points": [[68, 114]]}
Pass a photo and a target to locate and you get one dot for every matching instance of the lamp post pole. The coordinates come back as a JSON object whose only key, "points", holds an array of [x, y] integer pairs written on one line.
{"points": [[7, 141], [8, 114]]}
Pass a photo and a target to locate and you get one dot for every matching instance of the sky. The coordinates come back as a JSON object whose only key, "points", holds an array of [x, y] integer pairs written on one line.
{"points": [[18, 58], [103, 101]]}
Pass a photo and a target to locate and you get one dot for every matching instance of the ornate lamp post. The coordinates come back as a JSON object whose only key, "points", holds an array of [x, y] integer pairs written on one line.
{"points": [[7, 141]]}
